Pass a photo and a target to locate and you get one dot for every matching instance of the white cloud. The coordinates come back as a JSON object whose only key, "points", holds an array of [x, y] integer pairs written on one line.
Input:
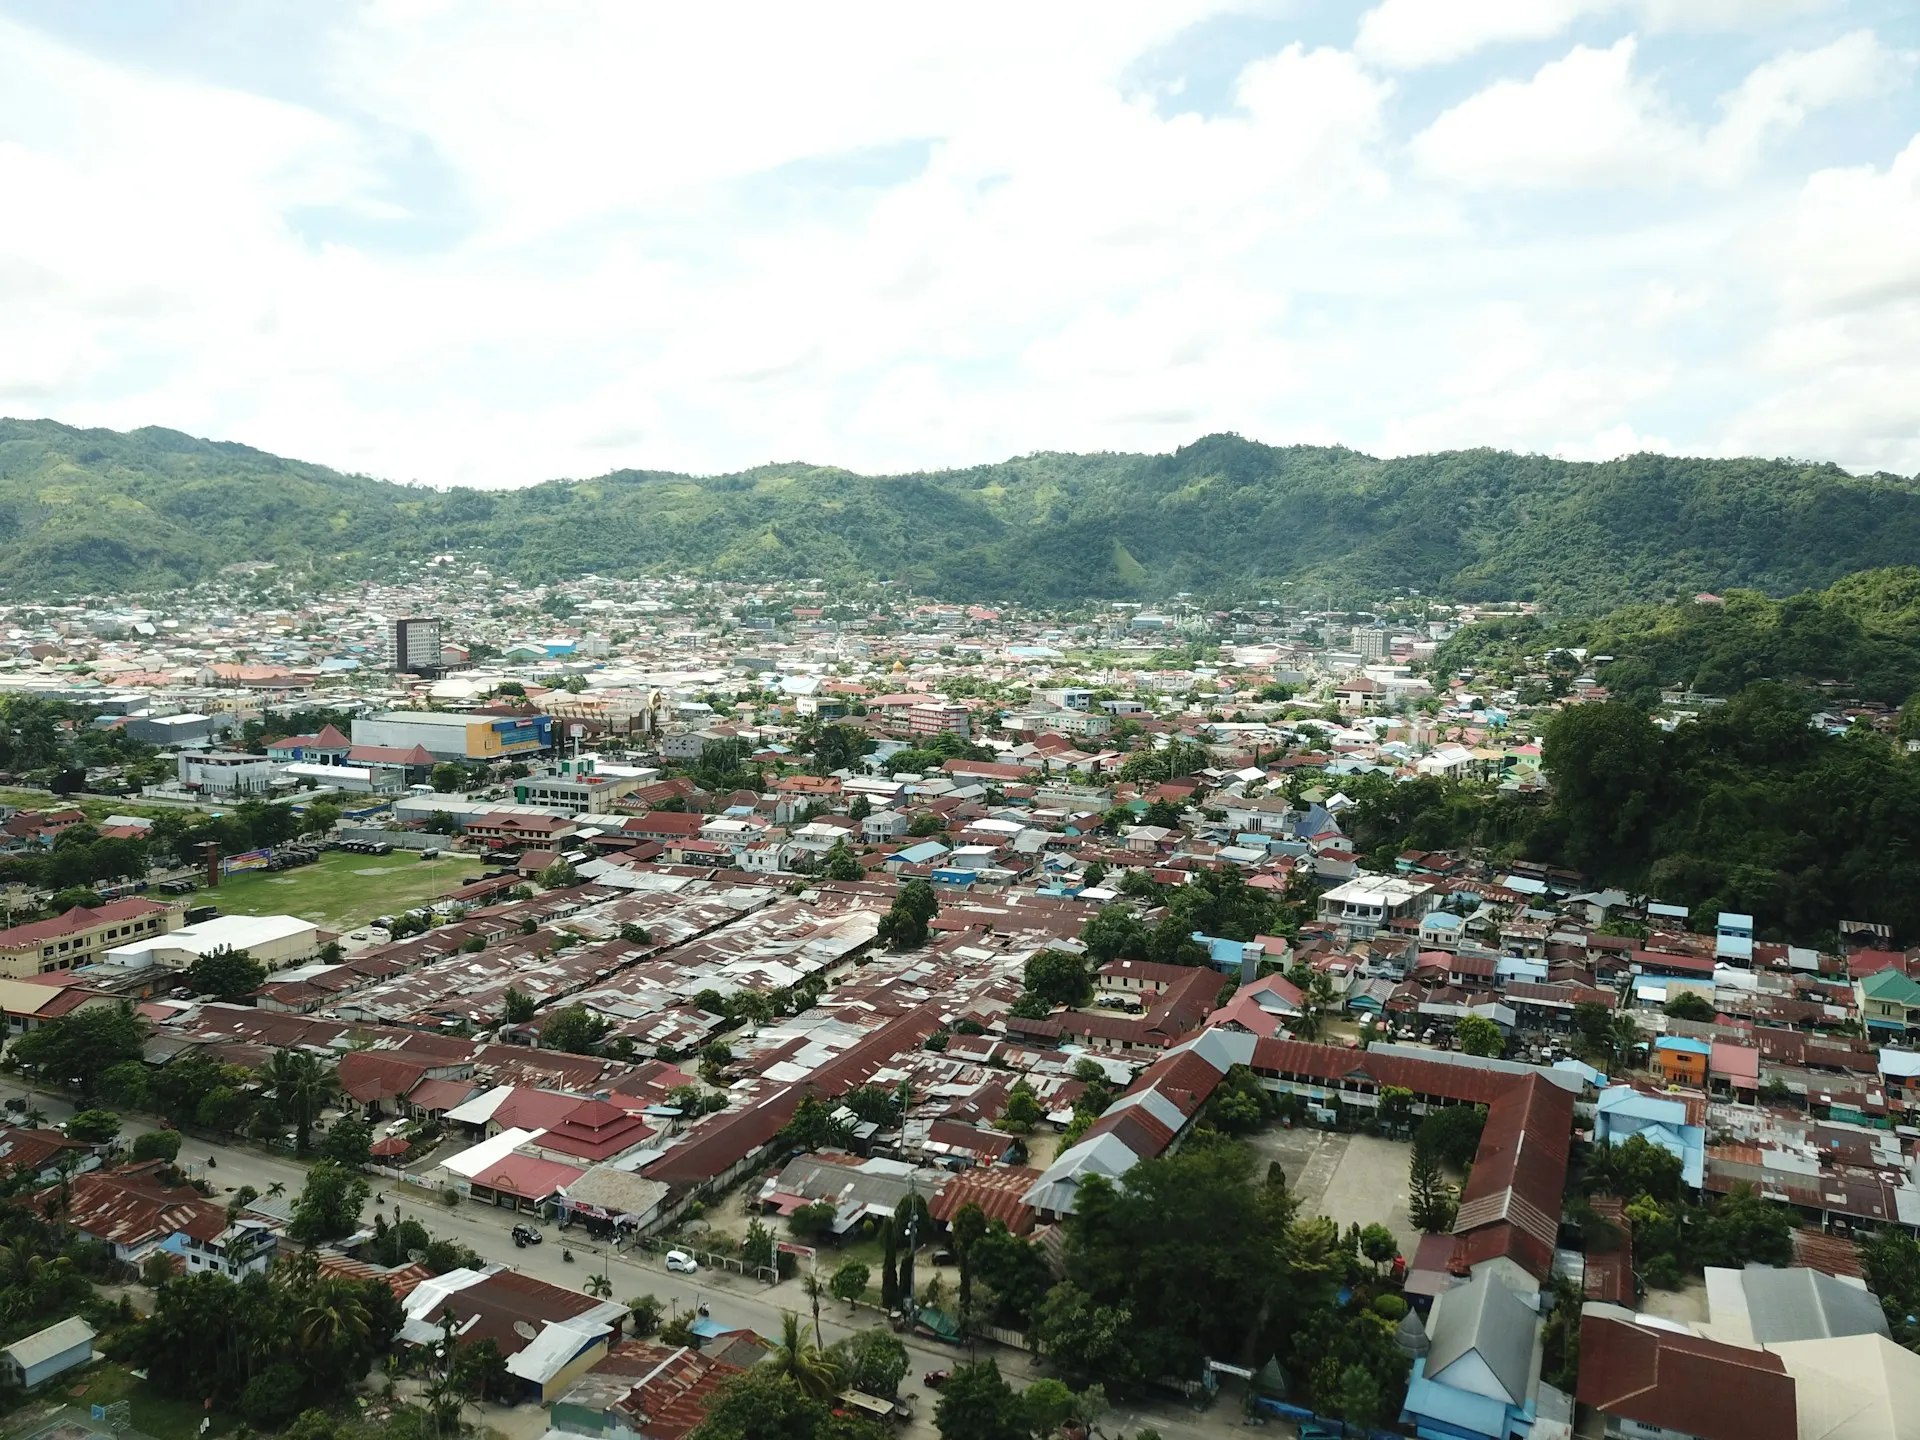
{"points": [[1409, 34], [493, 244], [1585, 120], [1406, 34], [1589, 120]]}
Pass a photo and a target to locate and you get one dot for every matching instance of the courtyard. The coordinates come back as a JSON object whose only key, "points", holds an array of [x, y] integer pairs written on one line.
{"points": [[1354, 1179]]}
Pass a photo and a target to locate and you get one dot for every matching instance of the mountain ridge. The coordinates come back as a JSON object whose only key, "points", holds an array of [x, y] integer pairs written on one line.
{"points": [[96, 511]]}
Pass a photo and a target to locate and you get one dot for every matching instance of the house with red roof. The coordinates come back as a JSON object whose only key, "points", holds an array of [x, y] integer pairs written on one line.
{"points": [[644, 1388], [137, 1212], [505, 828], [1659, 1380], [593, 1132], [1261, 1007], [329, 747], [1509, 1217]]}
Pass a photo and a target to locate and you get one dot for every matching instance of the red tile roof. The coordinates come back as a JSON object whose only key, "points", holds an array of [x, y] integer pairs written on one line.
{"points": [[996, 1190], [1683, 1383], [672, 1386], [595, 1130], [369, 1075], [1512, 1202], [132, 1207], [77, 921], [527, 1176]]}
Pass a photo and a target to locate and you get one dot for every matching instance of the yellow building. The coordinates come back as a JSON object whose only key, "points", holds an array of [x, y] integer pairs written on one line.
{"points": [[81, 936]]}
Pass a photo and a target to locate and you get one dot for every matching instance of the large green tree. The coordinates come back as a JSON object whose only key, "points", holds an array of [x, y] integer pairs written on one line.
{"points": [[301, 1087], [77, 1049], [1189, 1248], [329, 1204], [225, 974]]}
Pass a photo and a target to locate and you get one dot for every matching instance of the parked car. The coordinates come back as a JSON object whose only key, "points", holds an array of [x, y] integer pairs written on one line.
{"points": [[681, 1263]]}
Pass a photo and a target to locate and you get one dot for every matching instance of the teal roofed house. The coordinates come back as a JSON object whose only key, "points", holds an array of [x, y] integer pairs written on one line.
{"points": [[1232, 957], [1480, 1376], [1624, 1112], [1888, 1001]]}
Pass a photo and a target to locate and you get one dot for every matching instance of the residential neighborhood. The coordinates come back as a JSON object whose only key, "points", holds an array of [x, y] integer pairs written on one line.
{"points": [[710, 943]]}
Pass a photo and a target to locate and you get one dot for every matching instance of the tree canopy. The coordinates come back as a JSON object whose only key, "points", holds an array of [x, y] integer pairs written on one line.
{"points": [[153, 509]]}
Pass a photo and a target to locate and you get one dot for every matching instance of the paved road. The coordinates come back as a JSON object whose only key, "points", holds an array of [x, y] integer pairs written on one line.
{"points": [[732, 1300]]}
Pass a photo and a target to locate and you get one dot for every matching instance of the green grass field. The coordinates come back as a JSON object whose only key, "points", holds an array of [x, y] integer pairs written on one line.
{"points": [[340, 890], [161, 1416]]}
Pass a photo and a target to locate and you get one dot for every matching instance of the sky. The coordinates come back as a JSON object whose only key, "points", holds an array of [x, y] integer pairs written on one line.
{"points": [[489, 244]]}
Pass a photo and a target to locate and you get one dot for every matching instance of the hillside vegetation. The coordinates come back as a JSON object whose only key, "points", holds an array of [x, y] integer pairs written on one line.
{"points": [[98, 511], [1857, 639]]}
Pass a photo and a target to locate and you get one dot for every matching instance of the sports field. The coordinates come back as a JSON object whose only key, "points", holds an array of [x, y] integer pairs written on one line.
{"points": [[340, 890]]}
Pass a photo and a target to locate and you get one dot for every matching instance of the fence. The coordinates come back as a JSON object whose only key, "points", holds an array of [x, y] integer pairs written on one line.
{"points": [[74, 1422], [399, 839], [1318, 1427], [712, 1259]]}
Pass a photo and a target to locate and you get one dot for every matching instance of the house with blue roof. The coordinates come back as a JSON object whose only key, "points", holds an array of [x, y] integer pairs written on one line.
{"points": [[1233, 957], [1624, 1112], [1480, 1376], [927, 852], [1733, 938]]}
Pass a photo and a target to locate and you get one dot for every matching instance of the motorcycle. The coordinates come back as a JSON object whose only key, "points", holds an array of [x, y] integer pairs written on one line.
{"points": [[567, 1255]]}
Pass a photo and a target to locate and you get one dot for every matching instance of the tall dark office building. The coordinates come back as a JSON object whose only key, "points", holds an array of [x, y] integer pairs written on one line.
{"points": [[416, 646]]}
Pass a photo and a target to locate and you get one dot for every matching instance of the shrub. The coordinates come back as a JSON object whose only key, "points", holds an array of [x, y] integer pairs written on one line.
{"points": [[157, 1145], [273, 1397]]}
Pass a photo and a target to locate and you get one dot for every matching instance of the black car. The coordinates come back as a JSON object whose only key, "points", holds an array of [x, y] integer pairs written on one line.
{"points": [[524, 1235]]}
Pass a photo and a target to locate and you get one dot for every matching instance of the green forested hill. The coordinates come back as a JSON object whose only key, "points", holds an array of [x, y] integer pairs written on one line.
{"points": [[95, 510], [1859, 637]]}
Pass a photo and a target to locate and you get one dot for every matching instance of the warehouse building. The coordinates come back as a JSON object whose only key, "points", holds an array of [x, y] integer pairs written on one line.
{"points": [[456, 737], [275, 941]]}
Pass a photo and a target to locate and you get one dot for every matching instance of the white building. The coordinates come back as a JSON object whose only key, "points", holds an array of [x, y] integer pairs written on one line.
{"points": [[223, 772], [273, 940], [41, 1356], [1368, 903]]}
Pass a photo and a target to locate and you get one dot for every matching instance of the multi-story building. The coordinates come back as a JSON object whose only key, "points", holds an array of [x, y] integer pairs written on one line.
{"points": [[579, 788], [1889, 1002], [227, 772], [1368, 903], [81, 936], [1069, 699], [456, 737], [935, 717], [1040, 720], [416, 646]]}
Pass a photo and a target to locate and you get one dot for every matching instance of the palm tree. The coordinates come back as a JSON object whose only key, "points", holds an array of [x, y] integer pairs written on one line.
{"points": [[1318, 999], [301, 1086], [1624, 1035], [800, 1359], [600, 1287], [814, 1290], [332, 1316], [276, 1190], [35, 1119]]}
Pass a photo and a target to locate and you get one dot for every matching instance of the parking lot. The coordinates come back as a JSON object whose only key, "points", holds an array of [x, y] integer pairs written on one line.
{"points": [[1355, 1179]]}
